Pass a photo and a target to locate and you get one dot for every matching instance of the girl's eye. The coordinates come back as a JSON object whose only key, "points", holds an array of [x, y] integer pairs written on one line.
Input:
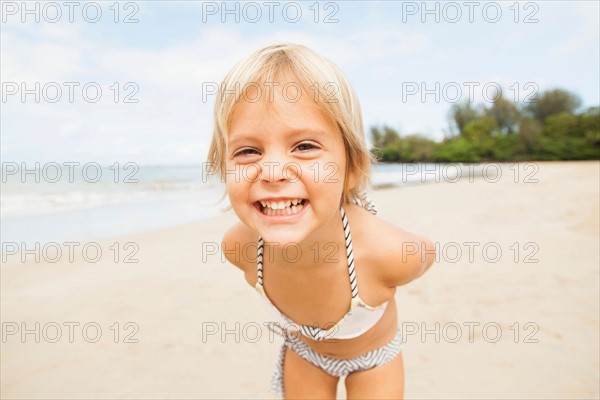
{"points": [[306, 146], [244, 152]]}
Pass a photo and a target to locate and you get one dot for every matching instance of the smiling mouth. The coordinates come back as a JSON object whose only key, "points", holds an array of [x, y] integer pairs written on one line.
{"points": [[281, 208]]}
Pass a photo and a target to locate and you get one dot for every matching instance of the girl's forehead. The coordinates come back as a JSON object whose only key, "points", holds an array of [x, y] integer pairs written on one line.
{"points": [[279, 111]]}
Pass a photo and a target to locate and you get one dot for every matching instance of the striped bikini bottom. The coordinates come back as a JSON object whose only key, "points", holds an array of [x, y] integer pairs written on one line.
{"points": [[334, 366]]}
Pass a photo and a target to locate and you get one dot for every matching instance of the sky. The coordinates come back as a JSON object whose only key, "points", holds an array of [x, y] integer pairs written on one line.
{"points": [[126, 81]]}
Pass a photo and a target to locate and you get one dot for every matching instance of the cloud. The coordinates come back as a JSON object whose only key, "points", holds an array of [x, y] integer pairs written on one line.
{"points": [[586, 13], [170, 115], [171, 122]]}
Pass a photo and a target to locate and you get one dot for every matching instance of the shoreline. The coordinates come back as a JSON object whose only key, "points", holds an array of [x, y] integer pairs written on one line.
{"points": [[173, 214]]}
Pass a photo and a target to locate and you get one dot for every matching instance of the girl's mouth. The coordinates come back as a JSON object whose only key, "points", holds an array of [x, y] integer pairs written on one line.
{"points": [[282, 207]]}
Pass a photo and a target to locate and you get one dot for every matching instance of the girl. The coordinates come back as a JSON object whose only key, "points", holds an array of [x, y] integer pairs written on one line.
{"points": [[289, 143]]}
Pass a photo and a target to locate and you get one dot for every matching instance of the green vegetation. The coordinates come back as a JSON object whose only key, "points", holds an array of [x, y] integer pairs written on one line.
{"points": [[549, 128]]}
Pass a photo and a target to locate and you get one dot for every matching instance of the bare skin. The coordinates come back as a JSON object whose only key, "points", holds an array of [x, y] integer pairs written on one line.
{"points": [[319, 294]]}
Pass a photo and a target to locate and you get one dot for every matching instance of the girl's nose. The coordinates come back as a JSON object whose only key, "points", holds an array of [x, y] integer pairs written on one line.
{"points": [[279, 170], [273, 171]]}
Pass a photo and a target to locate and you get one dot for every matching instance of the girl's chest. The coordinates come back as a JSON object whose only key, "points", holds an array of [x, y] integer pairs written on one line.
{"points": [[318, 295]]}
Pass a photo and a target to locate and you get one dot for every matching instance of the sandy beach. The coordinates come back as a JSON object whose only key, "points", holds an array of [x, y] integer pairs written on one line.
{"points": [[509, 310]]}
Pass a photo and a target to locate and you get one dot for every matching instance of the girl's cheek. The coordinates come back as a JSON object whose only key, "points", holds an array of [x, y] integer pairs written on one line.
{"points": [[326, 172], [250, 173], [232, 174]]}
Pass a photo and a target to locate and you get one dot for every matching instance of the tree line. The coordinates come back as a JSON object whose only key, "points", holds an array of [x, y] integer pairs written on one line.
{"points": [[550, 127]]}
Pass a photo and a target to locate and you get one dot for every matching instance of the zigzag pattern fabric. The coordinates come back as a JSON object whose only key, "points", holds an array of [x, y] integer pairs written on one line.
{"points": [[334, 366], [365, 202]]}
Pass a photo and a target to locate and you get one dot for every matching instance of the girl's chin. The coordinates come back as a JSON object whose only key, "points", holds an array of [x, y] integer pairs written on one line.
{"points": [[282, 239]]}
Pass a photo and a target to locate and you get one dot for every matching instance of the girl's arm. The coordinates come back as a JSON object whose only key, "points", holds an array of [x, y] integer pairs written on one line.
{"points": [[405, 256]]}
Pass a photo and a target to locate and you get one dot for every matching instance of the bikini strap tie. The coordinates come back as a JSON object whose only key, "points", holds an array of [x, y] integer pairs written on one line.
{"points": [[363, 200]]}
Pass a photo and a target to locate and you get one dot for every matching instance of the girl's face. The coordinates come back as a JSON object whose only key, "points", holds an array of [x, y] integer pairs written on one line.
{"points": [[285, 166]]}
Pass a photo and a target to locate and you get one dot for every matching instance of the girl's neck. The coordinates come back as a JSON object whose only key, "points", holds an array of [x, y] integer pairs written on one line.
{"points": [[323, 248]]}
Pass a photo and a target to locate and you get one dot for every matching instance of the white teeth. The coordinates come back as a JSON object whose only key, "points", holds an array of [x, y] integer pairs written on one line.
{"points": [[274, 205], [287, 207]]}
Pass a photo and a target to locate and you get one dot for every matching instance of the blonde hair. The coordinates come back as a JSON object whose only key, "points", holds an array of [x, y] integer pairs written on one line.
{"points": [[310, 68]]}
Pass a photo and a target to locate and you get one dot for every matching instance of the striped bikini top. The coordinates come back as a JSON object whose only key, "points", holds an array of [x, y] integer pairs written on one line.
{"points": [[359, 318]]}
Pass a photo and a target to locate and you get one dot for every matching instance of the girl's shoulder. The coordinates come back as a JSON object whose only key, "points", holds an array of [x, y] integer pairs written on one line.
{"points": [[236, 244], [396, 255]]}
